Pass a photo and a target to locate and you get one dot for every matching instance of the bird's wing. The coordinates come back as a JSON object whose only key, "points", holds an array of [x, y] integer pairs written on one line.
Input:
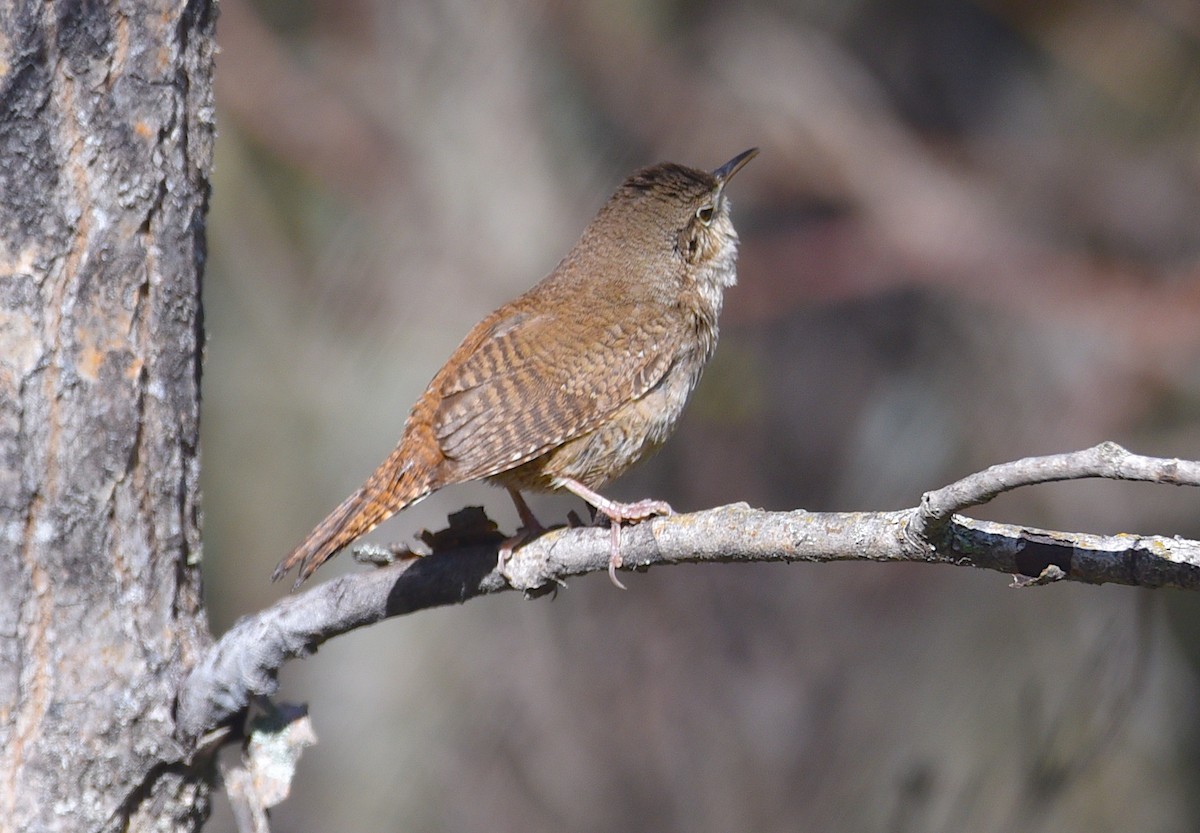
{"points": [[532, 381]]}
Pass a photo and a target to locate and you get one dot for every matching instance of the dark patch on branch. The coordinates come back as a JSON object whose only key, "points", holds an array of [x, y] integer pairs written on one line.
{"points": [[1038, 551]]}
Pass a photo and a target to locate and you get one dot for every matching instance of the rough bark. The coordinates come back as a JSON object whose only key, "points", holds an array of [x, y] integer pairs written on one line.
{"points": [[106, 131]]}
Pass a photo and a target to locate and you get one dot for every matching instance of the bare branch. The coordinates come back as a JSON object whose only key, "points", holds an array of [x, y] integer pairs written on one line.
{"points": [[246, 660], [1107, 460]]}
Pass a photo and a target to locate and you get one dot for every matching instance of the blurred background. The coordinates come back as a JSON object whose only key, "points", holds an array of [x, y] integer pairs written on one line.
{"points": [[972, 235]]}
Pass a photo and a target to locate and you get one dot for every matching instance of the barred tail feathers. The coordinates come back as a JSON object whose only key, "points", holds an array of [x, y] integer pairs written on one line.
{"points": [[382, 496]]}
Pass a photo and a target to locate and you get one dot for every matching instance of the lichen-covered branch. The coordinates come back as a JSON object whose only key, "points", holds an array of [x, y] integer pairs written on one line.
{"points": [[245, 662]]}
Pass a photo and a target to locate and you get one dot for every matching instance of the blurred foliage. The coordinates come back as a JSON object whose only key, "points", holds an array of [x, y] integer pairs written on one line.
{"points": [[971, 236]]}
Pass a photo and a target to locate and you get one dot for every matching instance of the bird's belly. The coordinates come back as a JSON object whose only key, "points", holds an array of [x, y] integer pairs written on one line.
{"points": [[634, 431]]}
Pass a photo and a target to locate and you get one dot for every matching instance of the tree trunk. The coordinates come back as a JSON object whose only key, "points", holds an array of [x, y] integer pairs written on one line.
{"points": [[106, 131]]}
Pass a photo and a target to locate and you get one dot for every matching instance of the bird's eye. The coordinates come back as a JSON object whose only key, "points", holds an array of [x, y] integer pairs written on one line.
{"points": [[705, 213]]}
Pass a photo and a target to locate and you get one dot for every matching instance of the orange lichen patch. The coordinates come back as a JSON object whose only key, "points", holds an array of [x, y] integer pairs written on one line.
{"points": [[165, 59], [88, 364], [143, 130], [96, 345], [166, 54], [116, 66]]}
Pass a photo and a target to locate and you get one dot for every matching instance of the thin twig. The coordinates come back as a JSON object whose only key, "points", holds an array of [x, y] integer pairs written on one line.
{"points": [[1106, 460]]}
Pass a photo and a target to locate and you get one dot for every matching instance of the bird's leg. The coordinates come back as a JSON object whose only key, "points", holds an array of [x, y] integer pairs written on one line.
{"points": [[528, 521], [531, 527], [617, 514]]}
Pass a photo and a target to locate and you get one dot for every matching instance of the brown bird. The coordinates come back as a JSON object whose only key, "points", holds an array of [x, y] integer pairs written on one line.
{"points": [[573, 382]]}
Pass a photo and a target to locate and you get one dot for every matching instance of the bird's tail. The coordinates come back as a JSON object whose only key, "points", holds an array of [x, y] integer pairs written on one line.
{"points": [[392, 487]]}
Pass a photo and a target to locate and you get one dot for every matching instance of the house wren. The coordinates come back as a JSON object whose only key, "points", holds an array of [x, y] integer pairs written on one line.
{"points": [[573, 382]]}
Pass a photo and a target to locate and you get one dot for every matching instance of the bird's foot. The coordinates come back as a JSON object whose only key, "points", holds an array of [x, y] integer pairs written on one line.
{"points": [[531, 528], [508, 545], [617, 514], [622, 513]]}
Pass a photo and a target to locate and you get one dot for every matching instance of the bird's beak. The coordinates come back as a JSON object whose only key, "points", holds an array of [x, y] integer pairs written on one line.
{"points": [[725, 173]]}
